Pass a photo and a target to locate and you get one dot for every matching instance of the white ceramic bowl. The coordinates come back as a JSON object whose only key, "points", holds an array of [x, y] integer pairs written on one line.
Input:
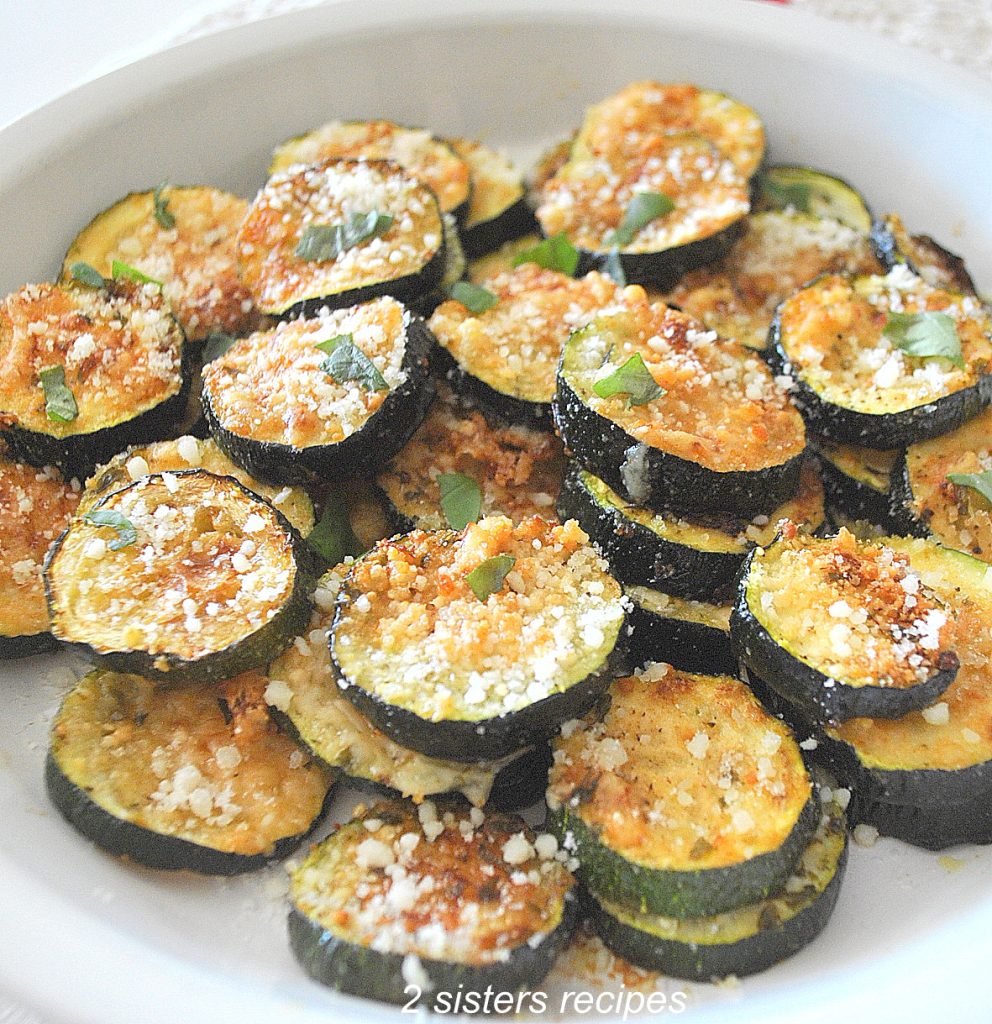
{"points": [[84, 939]]}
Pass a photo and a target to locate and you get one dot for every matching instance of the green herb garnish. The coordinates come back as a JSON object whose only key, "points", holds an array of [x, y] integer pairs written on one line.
{"points": [[925, 336], [632, 379], [322, 242], [488, 576], [461, 499], [88, 275], [60, 403], [216, 344], [346, 361], [783, 195], [126, 533], [119, 269], [641, 210], [333, 538], [473, 297], [979, 482], [163, 214], [554, 253], [613, 267]]}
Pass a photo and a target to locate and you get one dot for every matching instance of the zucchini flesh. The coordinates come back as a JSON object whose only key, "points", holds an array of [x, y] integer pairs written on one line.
{"points": [[687, 798], [195, 259], [747, 939], [187, 778], [444, 672], [213, 582], [893, 245], [807, 191], [406, 261], [844, 628], [442, 899]]}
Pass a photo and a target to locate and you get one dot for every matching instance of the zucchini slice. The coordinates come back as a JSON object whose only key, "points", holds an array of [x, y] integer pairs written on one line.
{"points": [[693, 557], [194, 258], [854, 384], [687, 798], [441, 899], [742, 941], [857, 481], [506, 357], [693, 636], [191, 578], [894, 245], [722, 435], [193, 453], [455, 265], [498, 209], [190, 778], [518, 469], [367, 228], [843, 628], [806, 191], [87, 371], [469, 646], [436, 162], [35, 507], [502, 260], [932, 826], [277, 405]]}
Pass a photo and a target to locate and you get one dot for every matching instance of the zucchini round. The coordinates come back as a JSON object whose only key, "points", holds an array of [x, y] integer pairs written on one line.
{"points": [[894, 245], [442, 900], [686, 799], [191, 577], [806, 191], [857, 481], [933, 826], [189, 778], [277, 406], [472, 669], [722, 436]]}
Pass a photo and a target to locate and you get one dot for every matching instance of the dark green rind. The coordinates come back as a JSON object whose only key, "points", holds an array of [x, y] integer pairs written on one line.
{"points": [[681, 894], [689, 646], [903, 519], [852, 499], [890, 253], [523, 782], [487, 236], [154, 849], [933, 827], [455, 265], [361, 454], [358, 970], [12, 647]]}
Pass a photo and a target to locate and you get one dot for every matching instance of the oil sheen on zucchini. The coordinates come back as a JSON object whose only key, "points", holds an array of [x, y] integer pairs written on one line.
{"points": [[722, 435], [189, 778], [843, 628], [686, 798], [472, 668], [190, 578], [441, 898]]}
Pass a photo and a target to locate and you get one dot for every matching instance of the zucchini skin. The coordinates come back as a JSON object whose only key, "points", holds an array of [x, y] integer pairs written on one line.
{"points": [[890, 252], [854, 499], [931, 827], [361, 454], [689, 646], [488, 235], [12, 647], [902, 516]]}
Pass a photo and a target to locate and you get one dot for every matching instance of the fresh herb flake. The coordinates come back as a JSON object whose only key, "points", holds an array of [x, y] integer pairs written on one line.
{"points": [[86, 274], [979, 482], [60, 403], [785, 195], [925, 336], [216, 344], [320, 243], [488, 576], [163, 214], [641, 210], [461, 499], [612, 266], [346, 361], [119, 269], [473, 297], [333, 538], [633, 379], [126, 533], [554, 253]]}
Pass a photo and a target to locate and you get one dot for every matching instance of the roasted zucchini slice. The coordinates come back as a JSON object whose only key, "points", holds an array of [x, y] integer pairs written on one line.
{"points": [[894, 245], [87, 371], [742, 941], [337, 395], [35, 507], [843, 628], [711, 430], [442, 899], [435, 162], [179, 577], [190, 778], [686, 556], [687, 798], [505, 358], [339, 232], [806, 191], [931, 826], [848, 346], [183, 237], [468, 646], [857, 481], [517, 470]]}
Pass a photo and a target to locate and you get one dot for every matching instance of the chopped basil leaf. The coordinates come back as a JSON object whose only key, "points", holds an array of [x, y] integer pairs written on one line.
{"points": [[554, 253], [333, 538], [163, 214], [783, 195], [216, 344], [980, 482], [488, 576], [461, 499], [60, 404], [126, 533], [322, 242], [119, 269], [346, 361], [633, 379], [641, 210], [613, 267], [925, 336], [473, 297], [86, 274]]}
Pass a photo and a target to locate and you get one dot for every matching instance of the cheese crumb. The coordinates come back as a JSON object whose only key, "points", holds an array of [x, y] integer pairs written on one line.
{"points": [[698, 745], [938, 714]]}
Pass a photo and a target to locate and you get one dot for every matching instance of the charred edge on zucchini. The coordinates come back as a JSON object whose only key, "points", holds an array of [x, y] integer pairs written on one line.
{"points": [[807, 191], [857, 481], [893, 245]]}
